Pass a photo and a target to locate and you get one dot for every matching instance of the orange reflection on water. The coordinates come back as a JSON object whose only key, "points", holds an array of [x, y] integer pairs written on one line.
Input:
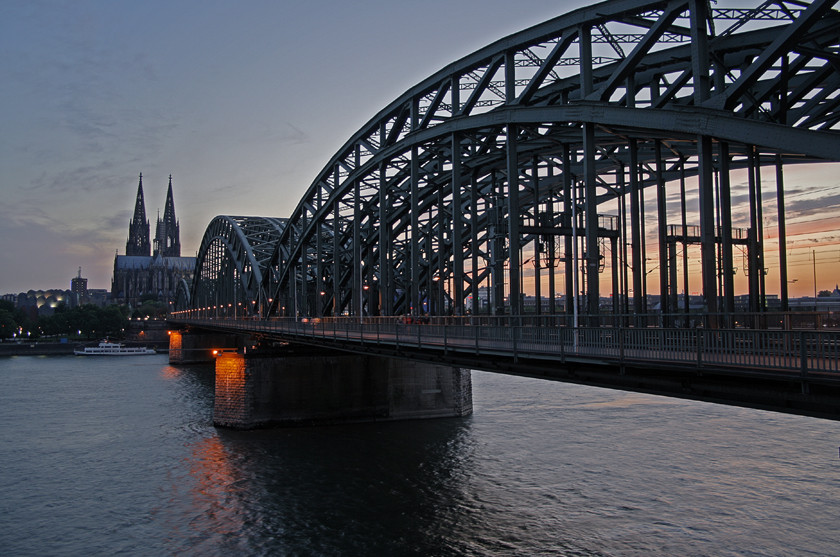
{"points": [[215, 498], [170, 372]]}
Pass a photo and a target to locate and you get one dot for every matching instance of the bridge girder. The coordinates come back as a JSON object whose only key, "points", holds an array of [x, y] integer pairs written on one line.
{"points": [[519, 148]]}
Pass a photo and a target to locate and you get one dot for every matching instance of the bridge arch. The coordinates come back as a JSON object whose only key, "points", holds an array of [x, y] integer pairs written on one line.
{"points": [[182, 295], [524, 167], [231, 267]]}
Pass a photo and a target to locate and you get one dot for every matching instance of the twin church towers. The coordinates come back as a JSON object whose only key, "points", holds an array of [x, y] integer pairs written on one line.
{"points": [[167, 231], [151, 271]]}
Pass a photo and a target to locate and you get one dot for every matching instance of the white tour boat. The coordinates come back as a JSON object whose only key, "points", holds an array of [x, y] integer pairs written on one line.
{"points": [[107, 348]]}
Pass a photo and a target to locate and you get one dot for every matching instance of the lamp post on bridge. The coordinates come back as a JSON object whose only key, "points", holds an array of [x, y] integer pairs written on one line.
{"points": [[814, 260], [361, 290], [294, 294]]}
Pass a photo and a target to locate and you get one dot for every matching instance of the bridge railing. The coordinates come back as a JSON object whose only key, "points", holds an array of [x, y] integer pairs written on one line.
{"points": [[788, 320], [801, 351], [812, 320]]}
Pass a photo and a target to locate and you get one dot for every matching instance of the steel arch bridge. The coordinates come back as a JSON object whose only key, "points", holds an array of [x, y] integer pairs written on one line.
{"points": [[231, 266], [539, 151]]}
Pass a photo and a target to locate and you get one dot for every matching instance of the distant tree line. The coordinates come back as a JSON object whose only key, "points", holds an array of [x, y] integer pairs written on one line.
{"points": [[12, 320], [149, 307], [87, 320]]}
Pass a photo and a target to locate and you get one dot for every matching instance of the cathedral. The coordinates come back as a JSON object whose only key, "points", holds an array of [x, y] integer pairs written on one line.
{"points": [[151, 271]]}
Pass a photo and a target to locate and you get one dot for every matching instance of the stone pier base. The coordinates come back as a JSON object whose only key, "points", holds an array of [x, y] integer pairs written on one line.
{"points": [[256, 391]]}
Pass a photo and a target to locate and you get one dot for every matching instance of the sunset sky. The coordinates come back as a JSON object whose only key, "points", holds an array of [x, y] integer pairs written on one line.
{"points": [[243, 103]]}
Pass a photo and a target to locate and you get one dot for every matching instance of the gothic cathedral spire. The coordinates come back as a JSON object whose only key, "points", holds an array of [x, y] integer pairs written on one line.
{"points": [[167, 233], [138, 229]]}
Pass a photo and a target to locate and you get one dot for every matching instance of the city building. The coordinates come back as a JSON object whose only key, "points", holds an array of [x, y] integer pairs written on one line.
{"points": [[98, 296], [78, 286], [143, 274], [39, 303]]}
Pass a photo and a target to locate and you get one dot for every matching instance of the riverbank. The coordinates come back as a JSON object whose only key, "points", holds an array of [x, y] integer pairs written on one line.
{"points": [[36, 348], [55, 348]]}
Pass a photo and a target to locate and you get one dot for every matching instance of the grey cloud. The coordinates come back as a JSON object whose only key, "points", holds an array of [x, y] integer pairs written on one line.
{"points": [[811, 206]]}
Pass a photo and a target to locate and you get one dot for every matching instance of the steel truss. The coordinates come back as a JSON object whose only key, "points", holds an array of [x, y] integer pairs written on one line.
{"points": [[540, 149], [231, 266]]}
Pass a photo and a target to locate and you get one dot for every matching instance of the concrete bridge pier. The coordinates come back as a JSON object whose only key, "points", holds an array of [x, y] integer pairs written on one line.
{"points": [[257, 390]]}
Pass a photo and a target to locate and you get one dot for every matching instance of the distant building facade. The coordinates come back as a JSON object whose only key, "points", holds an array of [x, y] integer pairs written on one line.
{"points": [[142, 273], [78, 286], [38, 303], [98, 296]]}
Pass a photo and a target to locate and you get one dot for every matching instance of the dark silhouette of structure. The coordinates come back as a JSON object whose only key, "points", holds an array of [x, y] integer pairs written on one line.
{"points": [[582, 160], [142, 274], [78, 285], [167, 232], [138, 229]]}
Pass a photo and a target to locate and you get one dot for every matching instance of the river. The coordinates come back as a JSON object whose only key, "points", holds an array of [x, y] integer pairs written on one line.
{"points": [[119, 456]]}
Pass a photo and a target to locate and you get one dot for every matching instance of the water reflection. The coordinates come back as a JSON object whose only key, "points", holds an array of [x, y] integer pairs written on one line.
{"points": [[171, 373], [360, 489], [98, 460], [539, 469], [218, 506]]}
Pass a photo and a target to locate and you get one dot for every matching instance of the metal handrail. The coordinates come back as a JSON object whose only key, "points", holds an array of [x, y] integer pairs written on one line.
{"points": [[801, 351]]}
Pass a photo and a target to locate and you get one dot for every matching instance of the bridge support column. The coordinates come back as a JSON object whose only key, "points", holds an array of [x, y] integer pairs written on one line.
{"points": [[193, 348], [254, 390]]}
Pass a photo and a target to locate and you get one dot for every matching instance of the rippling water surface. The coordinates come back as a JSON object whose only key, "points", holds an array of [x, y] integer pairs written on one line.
{"points": [[107, 456]]}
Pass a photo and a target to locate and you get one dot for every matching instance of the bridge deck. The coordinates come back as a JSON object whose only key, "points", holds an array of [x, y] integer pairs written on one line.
{"points": [[789, 370]]}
